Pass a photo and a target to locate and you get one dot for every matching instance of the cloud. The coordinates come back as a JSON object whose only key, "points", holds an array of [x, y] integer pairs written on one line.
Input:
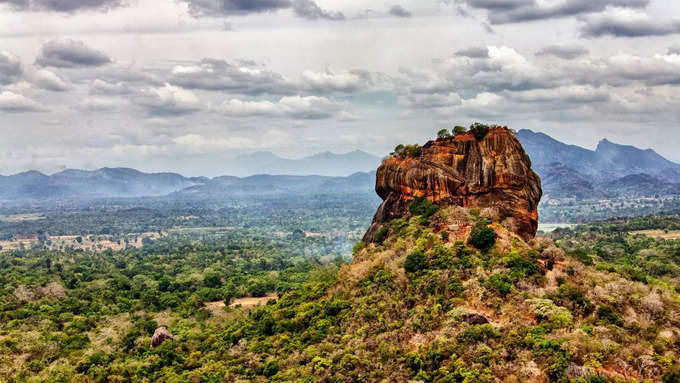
{"points": [[103, 87], [627, 23], [308, 9], [212, 8], [99, 104], [10, 68], [399, 11], [674, 50], [297, 107], [219, 75], [48, 80], [563, 51], [427, 101], [576, 94], [197, 143], [515, 11], [343, 81], [169, 100], [474, 52], [13, 102], [65, 6], [70, 54]]}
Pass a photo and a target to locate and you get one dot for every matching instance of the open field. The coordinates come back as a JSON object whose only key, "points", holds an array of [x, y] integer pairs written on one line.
{"points": [[659, 234], [252, 302], [88, 242], [21, 217]]}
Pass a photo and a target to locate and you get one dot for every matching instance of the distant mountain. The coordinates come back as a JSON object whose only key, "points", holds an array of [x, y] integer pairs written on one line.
{"points": [[609, 170], [324, 164], [267, 185], [106, 182], [123, 182]]}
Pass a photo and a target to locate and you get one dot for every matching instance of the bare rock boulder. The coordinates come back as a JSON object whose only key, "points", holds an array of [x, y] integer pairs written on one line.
{"points": [[493, 173], [161, 335]]}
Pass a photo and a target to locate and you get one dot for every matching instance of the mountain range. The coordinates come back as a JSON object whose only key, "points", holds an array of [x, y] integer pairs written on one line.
{"points": [[567, 171], [611, 170]]}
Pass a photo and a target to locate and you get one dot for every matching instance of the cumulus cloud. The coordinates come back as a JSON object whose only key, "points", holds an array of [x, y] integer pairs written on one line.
{"points": [[566, 52], [514, 11], [310, 10], [14, 102], [627, 23], [297, 107], [399, 11], [48, 80], [219, 75], [169, 100], [70, 54], [474, 52], [65, 6], [10, 68]]}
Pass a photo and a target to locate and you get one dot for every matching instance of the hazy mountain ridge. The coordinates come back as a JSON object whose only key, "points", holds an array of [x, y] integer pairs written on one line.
{"points": [[566, 171], [609, 170]]}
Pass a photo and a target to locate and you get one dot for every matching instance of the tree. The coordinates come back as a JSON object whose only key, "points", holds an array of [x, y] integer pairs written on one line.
{"points": [[444, 133], [415, 261], [479, 130], [483, 237], [459, 130]]}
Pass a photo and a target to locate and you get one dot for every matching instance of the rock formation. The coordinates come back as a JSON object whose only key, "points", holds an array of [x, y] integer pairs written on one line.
{"points": [[159, 336], [491, 172]]}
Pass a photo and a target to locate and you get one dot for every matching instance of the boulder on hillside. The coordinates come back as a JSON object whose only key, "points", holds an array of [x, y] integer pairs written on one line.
{"points": [[160, 335]]}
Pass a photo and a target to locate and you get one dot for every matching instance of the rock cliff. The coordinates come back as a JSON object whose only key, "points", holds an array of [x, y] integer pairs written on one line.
{"points": [[491, 172]]}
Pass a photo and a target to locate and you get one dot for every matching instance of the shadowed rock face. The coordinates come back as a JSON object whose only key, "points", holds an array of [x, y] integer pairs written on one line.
{"points": [[493, 172]]}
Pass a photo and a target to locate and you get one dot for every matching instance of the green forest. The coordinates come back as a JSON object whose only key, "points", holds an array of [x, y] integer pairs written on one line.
{"points": [[579, 305]]}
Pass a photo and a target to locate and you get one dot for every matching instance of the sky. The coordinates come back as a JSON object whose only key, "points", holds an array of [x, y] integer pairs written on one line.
{"points": [[186, 85]]}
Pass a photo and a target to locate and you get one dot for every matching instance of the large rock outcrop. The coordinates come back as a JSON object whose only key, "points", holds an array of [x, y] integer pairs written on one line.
{"points": [[491, 172]]}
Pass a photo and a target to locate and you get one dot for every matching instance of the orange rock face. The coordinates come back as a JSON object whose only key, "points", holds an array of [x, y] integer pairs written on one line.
{"points": [[492, 172]]}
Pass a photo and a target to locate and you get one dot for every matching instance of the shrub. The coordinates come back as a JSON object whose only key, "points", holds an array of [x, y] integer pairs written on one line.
{"points": [[459, 130], [444, 133], [545, 309], [608, 316], [479, 130], [415, 262], [483, 237], [381, 234], [423, 207], [358, 247], [499, 283], [270, 369]]}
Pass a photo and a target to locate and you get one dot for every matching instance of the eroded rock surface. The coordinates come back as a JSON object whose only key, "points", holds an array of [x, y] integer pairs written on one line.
{"points": [[492, 172]]}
